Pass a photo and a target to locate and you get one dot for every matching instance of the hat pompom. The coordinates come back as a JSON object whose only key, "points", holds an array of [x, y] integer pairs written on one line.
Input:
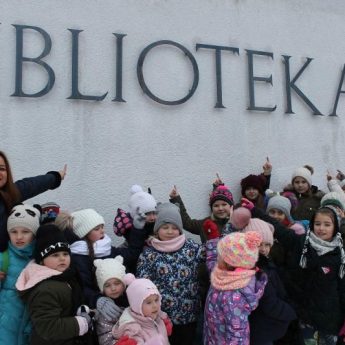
{"points": [[135, 189], [310, 168], [253, 239], [129, 278]]}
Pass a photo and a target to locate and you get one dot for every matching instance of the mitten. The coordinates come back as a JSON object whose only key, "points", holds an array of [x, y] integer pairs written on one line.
{"points": [[210, 229], [168, 325], [139, 219], [84, 312], [247, 204], [125, 340], [122, 222], [108, 309]]}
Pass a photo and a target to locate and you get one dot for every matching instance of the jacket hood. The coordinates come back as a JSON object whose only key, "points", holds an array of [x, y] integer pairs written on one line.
{"points": [[33, 274]]}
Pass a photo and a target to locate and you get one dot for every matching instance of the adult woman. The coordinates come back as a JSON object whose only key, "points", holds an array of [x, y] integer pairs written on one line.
{"points": [[19, 191]]}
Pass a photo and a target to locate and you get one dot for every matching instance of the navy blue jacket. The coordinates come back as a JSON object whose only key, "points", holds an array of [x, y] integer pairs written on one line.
{"points": [[271, 319], [28, 188], [86, 269]]}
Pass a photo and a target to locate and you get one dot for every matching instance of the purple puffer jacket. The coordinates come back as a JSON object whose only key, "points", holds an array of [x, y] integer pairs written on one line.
{"points": [[226, 312]]}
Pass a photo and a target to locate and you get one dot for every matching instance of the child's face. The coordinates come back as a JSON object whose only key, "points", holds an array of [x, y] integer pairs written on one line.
{"points": [[151, 306], [168, 232], [150, 217], [251, 193], [113, 288], [97, 233], [20, 236], [221, 209], [277, 214], [323, 226], [58, 261], [3, 172], [300, 185], [265, 248]]}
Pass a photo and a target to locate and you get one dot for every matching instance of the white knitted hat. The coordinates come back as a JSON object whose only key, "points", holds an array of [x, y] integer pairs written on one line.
{"points": [[24, 215], [85, 220], [145, 201], [109, 268], [302, 172]]}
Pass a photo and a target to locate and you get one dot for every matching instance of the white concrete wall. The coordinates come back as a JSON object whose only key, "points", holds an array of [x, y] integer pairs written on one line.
{"points": [[109, 146]]}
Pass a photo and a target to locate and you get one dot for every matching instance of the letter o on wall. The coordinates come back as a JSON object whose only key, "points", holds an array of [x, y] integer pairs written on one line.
{"points": [[141, 75]]}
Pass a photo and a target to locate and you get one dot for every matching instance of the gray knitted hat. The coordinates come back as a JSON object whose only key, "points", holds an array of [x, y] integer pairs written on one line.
{"points": [[280, 203], [168, 213]]}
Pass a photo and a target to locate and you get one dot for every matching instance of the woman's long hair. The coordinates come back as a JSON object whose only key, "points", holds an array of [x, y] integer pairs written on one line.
{"points": [[9, 192]]}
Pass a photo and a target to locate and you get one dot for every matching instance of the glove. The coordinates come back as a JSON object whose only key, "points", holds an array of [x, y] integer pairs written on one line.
{"points": [[210, 229], [108, 308], [125, 340], [247, 204], [168, 325], [139, 219]]}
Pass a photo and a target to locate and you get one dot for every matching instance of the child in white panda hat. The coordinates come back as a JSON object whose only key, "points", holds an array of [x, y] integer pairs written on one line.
{"points": [[110, 274], [22, 225]]}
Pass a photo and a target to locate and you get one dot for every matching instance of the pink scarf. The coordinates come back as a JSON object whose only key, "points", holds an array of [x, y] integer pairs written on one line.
{"points": [[231, 280], [168, 246]]}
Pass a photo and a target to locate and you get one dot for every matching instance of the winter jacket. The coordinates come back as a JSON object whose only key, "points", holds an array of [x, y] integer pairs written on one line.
{"points": [[104, 326], [50, 306], [175, 275], [270, 320], [141, 328], [194, 226], [84, 263], [308, 202], [15, 327], [226, 311], [317, 291], [28, 188]]}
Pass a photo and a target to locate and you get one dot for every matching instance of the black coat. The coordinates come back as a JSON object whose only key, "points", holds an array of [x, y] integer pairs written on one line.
{"points": [[317, 291], [271, 319]]}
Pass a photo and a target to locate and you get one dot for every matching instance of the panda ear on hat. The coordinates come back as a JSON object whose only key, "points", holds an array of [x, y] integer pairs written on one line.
{"points": [[24, 215]]}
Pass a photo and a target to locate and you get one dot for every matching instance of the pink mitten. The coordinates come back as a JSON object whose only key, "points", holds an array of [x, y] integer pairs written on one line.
{"points": [[247, 204]]}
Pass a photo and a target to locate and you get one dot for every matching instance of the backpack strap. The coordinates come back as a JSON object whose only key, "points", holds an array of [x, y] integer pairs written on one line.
{"points": [[5, 261]]}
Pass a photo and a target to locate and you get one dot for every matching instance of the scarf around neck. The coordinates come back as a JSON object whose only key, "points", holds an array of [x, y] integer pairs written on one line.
{"points": [[168, 246], [323, 247], [101, 247], [231, 280]]}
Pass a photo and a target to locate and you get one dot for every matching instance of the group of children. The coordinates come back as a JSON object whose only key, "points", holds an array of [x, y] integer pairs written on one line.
{"points": [[269, 270]]}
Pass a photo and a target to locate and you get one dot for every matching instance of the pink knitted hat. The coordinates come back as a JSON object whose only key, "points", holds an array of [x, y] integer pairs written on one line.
{"points": [[263, 228], [240, 249], [138, 290]]}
